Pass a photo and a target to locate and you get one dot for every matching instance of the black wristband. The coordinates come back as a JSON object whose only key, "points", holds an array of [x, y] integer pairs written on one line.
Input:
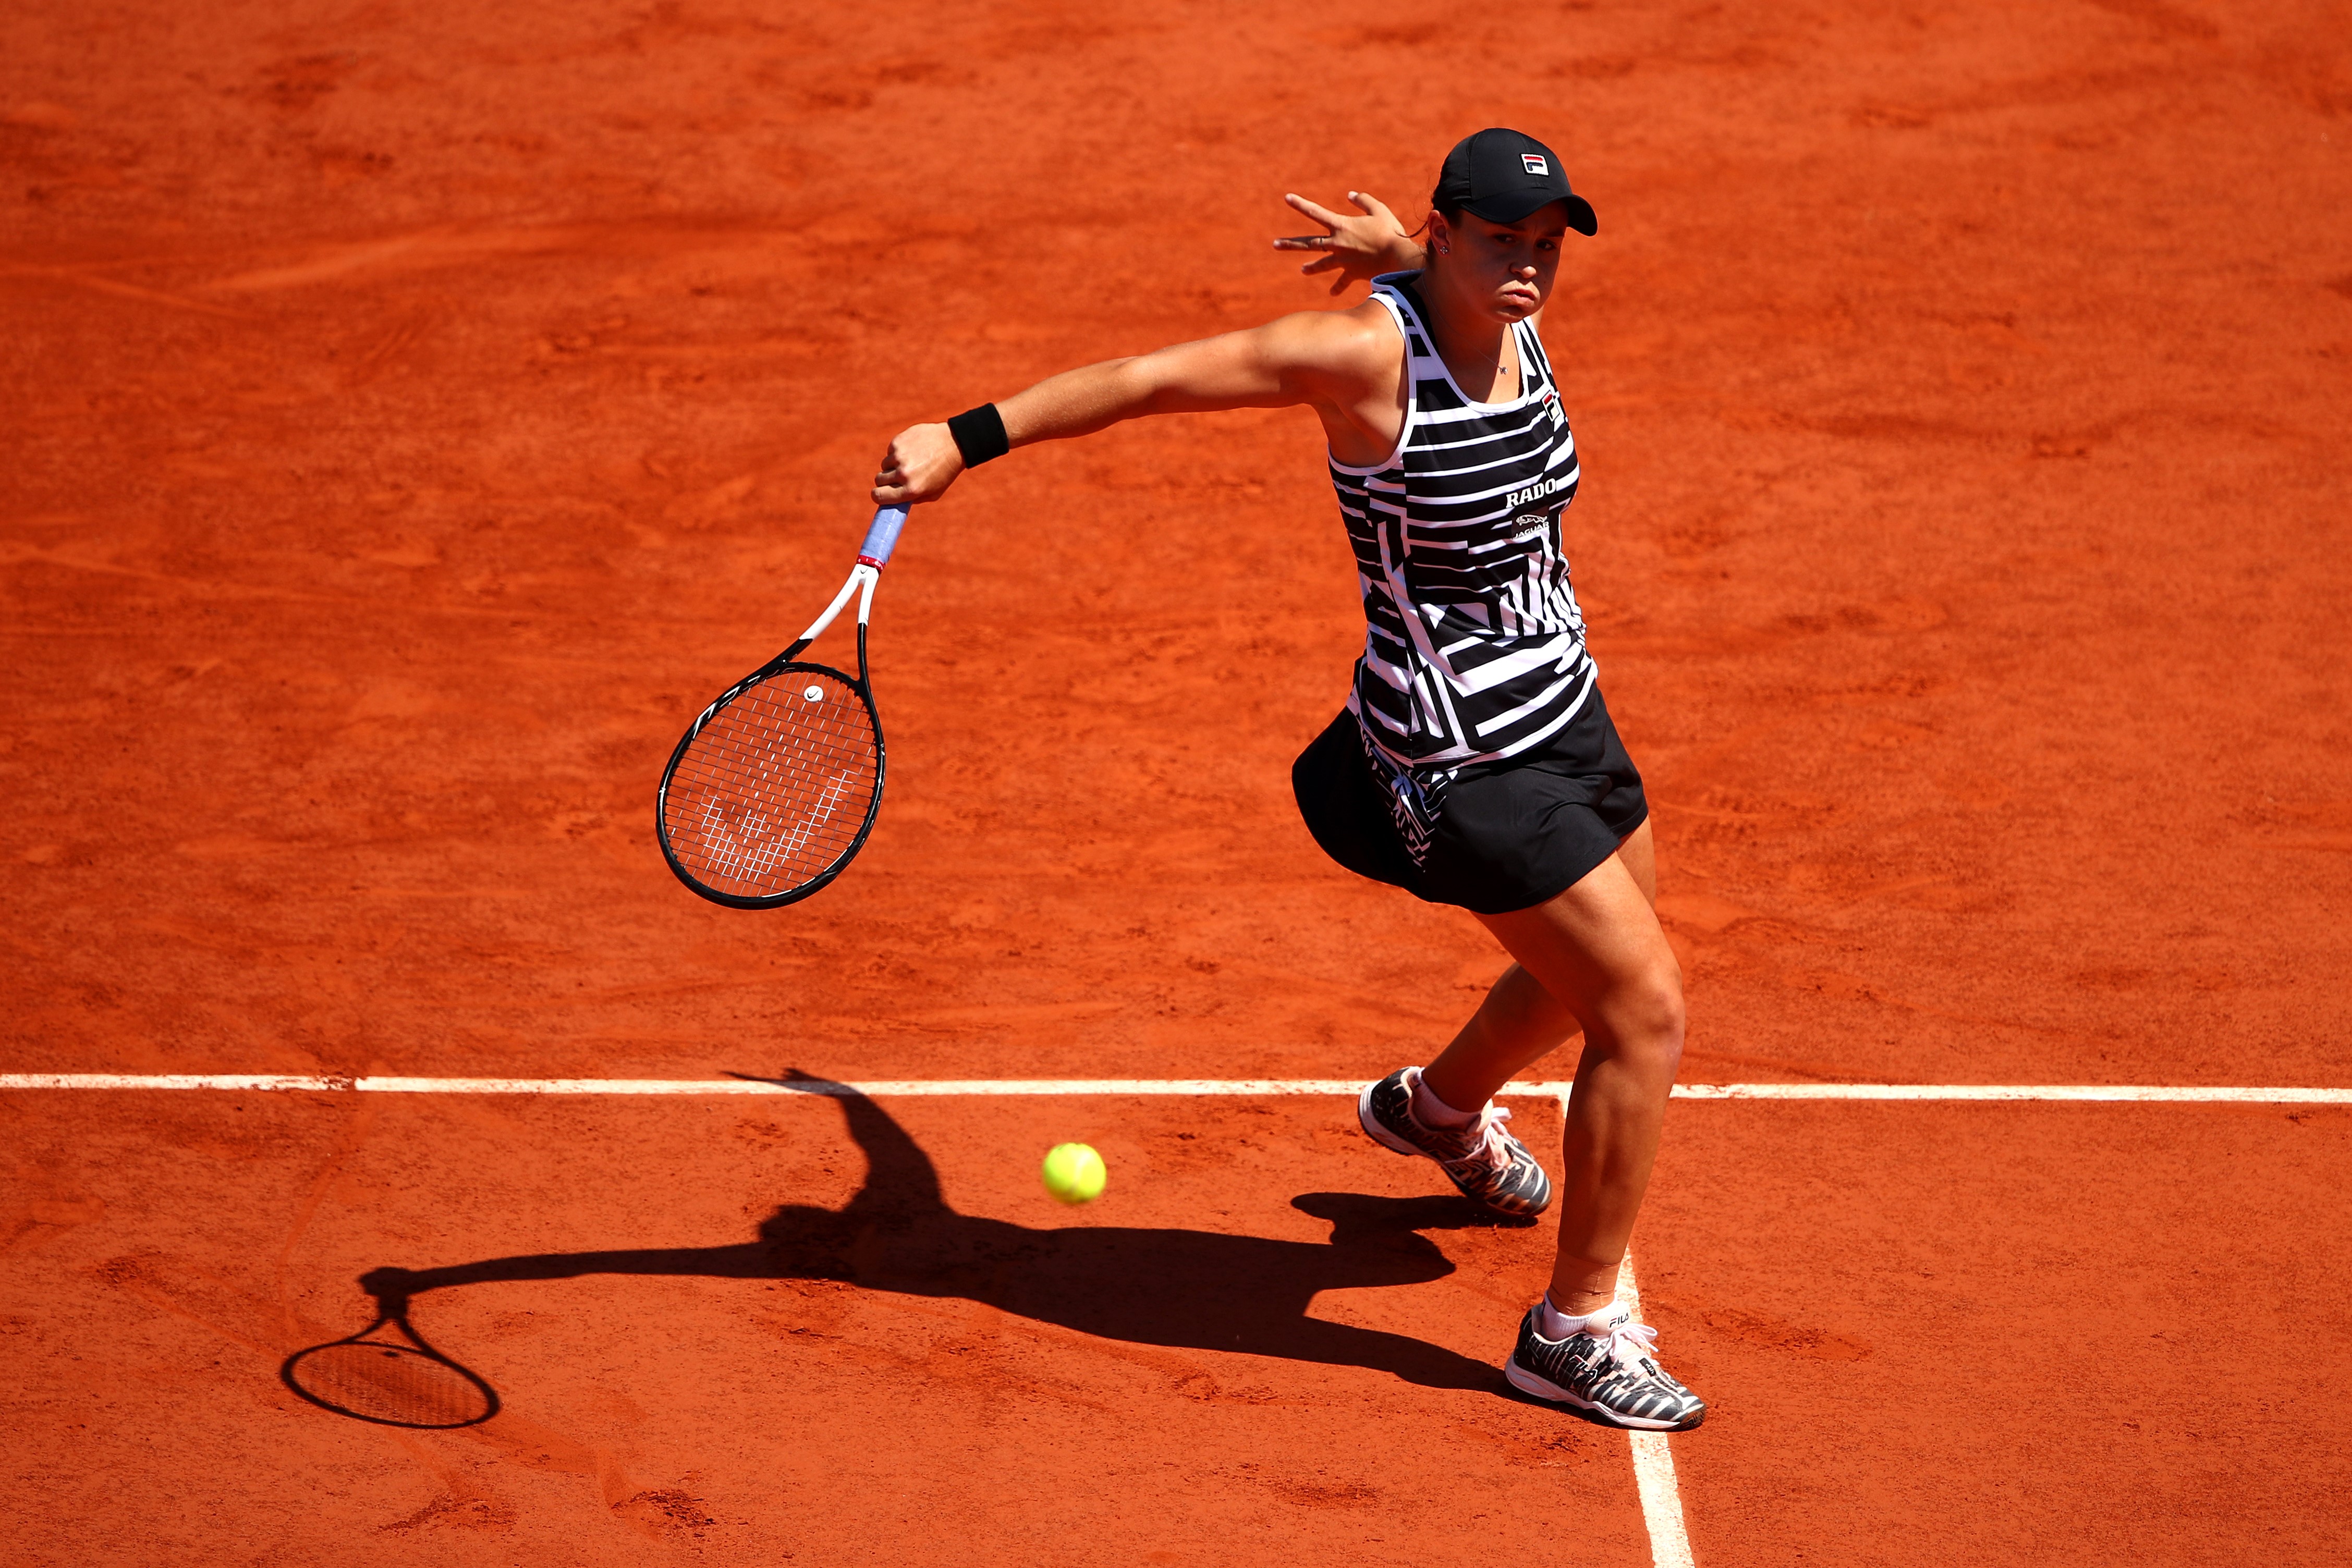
{"points": [[980, 435]]}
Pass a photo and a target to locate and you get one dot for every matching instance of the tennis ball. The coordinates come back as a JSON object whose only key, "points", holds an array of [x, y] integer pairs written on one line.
{"points": [[1073, 1173]]}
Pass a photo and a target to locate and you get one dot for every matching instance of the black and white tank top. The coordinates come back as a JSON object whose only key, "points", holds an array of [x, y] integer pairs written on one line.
{"points": [[1473, 646]]}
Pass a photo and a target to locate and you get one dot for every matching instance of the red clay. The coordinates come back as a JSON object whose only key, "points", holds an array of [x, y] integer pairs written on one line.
{"points": [[1008, 1381], [2028, 1334], [414, 414]]}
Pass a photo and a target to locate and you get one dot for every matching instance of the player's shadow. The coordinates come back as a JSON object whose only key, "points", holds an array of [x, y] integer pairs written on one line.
{"points": [[1192, 1289]]}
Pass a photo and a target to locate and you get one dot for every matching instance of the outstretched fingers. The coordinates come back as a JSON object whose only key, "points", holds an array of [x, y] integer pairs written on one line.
{"points": [[1361, 244], [1319, 212]]}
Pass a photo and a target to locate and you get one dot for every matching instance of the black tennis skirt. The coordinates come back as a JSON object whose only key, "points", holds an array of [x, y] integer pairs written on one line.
{"points": [[1507, 835]]}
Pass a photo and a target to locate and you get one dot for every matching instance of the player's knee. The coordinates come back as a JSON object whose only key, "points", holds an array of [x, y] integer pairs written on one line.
{"points": [[1651, 1014]]}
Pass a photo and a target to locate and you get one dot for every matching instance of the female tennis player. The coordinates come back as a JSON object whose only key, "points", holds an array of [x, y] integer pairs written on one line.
{"points": [[1475, 763]]}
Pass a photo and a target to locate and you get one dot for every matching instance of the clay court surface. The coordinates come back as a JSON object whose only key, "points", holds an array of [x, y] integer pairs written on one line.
{"points": [[414, 413]]}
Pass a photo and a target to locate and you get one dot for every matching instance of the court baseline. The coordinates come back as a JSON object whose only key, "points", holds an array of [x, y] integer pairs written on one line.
{"points": [[888, 1088]]}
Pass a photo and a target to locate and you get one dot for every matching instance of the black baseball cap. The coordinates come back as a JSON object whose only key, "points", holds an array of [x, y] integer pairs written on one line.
{"points": [[1503, 175]]}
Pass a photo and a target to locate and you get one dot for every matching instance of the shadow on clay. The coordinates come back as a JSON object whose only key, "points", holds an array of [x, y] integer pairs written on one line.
{"points": [[1191, 1289]]}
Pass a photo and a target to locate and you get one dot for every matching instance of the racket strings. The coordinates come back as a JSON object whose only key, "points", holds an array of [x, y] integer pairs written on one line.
{"points": [[776, 787], [391, 1384]]}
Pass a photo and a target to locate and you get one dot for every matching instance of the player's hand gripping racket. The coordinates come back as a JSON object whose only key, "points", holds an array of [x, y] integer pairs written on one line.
{"points": [[775, 786]]}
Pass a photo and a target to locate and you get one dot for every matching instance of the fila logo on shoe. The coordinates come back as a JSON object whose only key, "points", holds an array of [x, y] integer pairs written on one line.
{"points": [[1534, 163]]}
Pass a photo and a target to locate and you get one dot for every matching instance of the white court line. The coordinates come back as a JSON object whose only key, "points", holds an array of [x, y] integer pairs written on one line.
{"points": [[1654, 1466], [894, 1087], [2186, 1094], [336, 1083]]}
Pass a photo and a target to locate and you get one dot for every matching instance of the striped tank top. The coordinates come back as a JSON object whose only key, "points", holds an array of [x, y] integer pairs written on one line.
{"points": [[1473, 645]]}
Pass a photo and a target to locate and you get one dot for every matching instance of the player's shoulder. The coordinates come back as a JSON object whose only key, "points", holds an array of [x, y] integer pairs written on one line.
{"points": [[1360, 337]]}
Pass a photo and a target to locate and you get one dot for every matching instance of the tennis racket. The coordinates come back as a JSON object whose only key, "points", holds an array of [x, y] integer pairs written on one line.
{"points": [[402, 1382], [776, 785]]}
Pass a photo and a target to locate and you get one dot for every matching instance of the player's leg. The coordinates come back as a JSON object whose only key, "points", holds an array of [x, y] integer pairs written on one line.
{"points": [[1446, 1112], [1521, 1022], [1599, 950], [1639, 851], [1517, 1025]]}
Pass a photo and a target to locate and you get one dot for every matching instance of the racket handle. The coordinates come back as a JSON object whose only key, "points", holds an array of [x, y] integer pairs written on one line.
{"points": [[883, 536]]}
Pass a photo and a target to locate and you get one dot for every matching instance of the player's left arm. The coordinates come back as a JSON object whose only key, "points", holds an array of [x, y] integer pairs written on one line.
{"points": [[1358, 247]]}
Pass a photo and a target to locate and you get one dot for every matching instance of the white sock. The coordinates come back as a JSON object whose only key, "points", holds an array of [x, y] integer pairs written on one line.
{"points": [[1431, 1111], [1553, 1324]]}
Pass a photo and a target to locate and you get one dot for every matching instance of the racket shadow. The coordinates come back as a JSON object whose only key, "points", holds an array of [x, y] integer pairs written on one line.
{"points": [[1167, 1287], [399, 1380]]}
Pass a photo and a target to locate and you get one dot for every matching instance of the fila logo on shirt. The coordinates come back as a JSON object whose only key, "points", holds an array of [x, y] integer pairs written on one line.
{"points": [[1552, 406], [1534, 163]]}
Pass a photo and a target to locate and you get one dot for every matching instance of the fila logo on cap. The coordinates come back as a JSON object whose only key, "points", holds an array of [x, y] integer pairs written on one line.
{"points": [[1534, 163]]}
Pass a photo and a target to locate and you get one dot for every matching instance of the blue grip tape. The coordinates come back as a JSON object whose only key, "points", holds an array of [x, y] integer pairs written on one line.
{"points": [[883, 536]]}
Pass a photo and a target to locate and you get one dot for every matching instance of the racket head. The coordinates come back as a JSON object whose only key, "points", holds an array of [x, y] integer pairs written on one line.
{"points": [[775, 789], [390, 1384]]}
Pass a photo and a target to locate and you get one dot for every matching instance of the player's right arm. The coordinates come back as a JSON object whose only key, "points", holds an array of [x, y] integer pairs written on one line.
{"points": [[1346, 365]]}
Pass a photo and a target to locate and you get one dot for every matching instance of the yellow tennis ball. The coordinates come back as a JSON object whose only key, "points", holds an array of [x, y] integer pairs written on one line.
{"points": [[1073, 1173]]}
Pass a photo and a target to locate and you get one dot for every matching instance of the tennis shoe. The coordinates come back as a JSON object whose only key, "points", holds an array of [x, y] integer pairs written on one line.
{"points": [[1607, 1373], [1491, 1168]]}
